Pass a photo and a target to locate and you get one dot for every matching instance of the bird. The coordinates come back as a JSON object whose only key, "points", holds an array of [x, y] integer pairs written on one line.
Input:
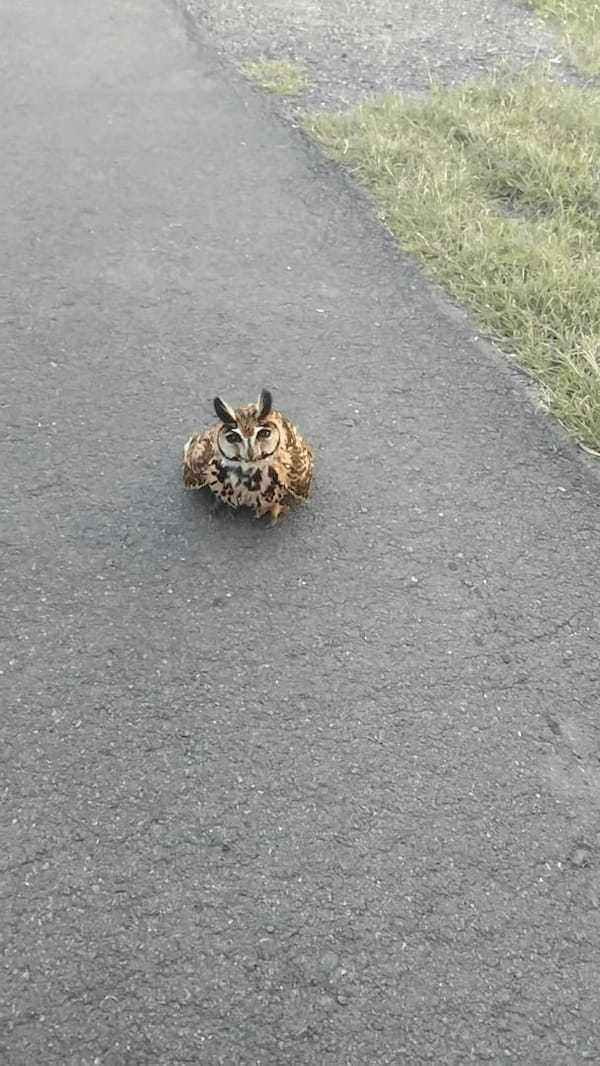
{"points": [[251, 457]]}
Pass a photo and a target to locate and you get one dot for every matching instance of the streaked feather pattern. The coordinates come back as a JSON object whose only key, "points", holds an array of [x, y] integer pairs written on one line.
{"points": [[252, 457]]}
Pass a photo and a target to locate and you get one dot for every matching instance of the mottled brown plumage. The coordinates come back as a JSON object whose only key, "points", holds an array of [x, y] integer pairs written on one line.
{"points": [[252, 457]]}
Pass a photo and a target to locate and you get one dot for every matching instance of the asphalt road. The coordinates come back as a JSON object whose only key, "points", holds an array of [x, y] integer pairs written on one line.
{"points": [[326, 793]]}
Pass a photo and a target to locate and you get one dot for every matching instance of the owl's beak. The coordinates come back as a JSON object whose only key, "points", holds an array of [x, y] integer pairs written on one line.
{"points": [[249, 452]]}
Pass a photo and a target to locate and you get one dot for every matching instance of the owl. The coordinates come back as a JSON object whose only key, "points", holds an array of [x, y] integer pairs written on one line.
{"points": [[252, 457]]}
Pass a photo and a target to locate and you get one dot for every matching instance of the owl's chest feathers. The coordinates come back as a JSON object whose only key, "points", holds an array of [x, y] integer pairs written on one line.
{"points": [[247, 484]]}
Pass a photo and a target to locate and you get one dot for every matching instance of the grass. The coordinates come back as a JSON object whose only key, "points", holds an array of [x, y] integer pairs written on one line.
{"points": [[496, 188], [580, 25], [281, 76]]}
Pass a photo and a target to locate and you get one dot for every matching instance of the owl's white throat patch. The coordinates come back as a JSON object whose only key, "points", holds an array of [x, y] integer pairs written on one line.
{"points": [[246, 464]]}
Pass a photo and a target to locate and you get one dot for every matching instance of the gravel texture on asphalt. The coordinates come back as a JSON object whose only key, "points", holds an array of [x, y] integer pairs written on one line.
{"points": [[354, 47]]}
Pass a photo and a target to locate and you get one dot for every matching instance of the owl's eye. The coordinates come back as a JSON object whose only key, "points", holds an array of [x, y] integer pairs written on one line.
{"points": [[233, 438], [263, 433]]}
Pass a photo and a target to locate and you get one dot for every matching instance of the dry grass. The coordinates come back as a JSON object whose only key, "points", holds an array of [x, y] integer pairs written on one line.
{"points": [[579, 21], [496, 188], [281, 76]]}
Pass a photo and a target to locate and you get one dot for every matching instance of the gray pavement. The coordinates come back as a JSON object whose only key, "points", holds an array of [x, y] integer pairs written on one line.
{"points": [[326, 793]]}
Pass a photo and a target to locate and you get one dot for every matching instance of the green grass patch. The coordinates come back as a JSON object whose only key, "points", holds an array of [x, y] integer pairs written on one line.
{"points": [[281, 76], [496, 188], [579, 21]]}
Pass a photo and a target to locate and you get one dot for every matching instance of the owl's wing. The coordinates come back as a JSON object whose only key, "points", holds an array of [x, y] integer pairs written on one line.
{"points": [[300, 465], [197, 456]]}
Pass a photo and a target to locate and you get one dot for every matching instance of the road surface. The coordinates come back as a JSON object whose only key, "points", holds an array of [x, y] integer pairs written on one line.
{"points": [[325, 793]]}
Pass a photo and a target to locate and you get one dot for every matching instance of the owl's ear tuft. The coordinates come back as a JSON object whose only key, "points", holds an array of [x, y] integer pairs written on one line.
{"points": [[224, 412], [264, 404]]}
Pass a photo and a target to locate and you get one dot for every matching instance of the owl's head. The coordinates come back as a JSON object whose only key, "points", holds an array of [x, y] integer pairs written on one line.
{"points": [[247, 434]]}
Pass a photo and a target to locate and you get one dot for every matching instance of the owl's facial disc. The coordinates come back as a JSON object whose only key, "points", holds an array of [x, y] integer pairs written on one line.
{"points": [[255, 445], [265, 440], [231, 442]]}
